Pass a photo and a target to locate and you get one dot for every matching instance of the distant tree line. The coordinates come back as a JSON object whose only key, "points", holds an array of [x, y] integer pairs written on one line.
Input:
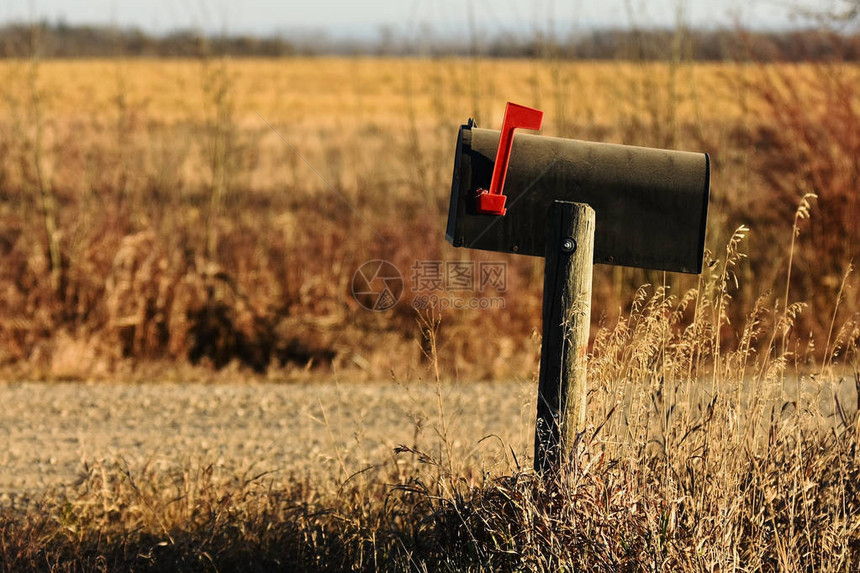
{"points": [[60, 40], [700, 45], [65, 41]]}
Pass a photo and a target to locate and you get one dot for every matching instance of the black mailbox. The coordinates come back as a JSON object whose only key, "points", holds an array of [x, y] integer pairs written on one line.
{"points": [[651, 204]]}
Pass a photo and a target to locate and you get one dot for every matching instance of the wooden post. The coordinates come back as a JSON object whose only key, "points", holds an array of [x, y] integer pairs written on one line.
{"points": [[566, 322]]}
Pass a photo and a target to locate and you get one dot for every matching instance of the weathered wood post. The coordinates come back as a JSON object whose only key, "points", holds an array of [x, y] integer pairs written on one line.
{"points": [[566, 322]]}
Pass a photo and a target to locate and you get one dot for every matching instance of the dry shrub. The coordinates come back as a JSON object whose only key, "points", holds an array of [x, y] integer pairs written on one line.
{"points": [[179, 306], [809, 143]]}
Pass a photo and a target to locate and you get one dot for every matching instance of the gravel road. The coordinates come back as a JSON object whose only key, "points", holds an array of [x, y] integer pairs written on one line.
{"points": [[49, 432]]}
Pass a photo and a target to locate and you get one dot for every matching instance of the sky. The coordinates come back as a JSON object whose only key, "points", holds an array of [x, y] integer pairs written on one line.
{"points": [[366, 18]]}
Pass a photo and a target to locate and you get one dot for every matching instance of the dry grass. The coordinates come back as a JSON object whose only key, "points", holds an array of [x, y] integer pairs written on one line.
{"points": [[211, 211], [723, 419], [694, 459]]}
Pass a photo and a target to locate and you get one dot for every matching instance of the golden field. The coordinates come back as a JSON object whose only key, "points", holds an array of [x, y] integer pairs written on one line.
{"points": [[368, 90], [354, 106], [202, 220]]}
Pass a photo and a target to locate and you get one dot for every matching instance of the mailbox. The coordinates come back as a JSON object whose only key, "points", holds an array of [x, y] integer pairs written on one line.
{"points": [[574, 203], [651, 204]]}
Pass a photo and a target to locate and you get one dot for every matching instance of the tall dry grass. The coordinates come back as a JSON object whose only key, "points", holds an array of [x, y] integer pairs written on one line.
{"points": [[695, 458], [190, 230]]}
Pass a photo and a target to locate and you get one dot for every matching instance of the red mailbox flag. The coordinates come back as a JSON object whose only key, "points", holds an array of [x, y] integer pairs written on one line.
{"points": [[492, 202]]}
